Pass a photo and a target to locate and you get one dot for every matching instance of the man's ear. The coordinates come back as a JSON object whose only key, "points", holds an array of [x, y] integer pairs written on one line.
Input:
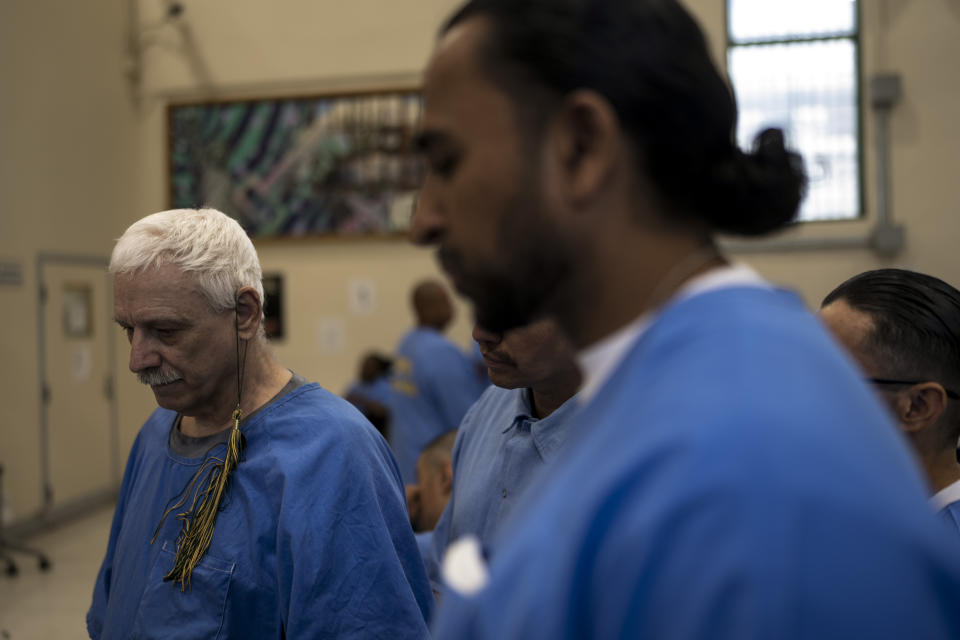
{"points": [[249, 312], [446, 477], [585, 140], [921, 405]]}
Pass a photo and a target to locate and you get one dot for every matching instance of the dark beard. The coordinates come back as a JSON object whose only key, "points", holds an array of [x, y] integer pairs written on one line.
{"points": [[522, 295], [501, 306], [524, 285]]}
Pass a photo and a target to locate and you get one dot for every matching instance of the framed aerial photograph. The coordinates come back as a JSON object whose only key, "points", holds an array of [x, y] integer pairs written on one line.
{"points": [[340, 164]]}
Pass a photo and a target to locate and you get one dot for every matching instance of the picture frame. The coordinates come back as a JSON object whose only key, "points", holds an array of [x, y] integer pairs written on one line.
{"points": [[340, 164], [273, 305]]}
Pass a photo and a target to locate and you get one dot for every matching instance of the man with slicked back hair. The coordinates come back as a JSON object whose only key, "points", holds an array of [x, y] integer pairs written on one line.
{"points": [[903, 329]]}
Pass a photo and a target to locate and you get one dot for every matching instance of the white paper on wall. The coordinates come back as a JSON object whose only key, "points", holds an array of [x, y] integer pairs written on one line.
{"points": [[363, 296], [331, 336]]}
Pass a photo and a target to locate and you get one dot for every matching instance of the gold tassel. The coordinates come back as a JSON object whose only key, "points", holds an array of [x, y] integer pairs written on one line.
{"points": [[198, 521]]}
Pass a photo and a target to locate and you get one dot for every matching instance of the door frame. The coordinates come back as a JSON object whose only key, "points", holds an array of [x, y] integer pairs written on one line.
{"points": [[79, 260]]}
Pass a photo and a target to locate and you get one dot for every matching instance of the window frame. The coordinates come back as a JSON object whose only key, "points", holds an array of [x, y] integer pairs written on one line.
{"points": [[856, 39]]}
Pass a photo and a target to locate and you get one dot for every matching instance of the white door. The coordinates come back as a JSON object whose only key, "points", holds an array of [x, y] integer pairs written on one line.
{"points": [[79, 441]]}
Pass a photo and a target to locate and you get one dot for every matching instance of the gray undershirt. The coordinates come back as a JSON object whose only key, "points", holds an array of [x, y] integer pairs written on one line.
{"points": [[190, 447]]}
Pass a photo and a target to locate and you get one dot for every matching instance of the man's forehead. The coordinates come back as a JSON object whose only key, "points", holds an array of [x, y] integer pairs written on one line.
{"points": [[151, 315], [851, 327], [157, 293], [457, 49], [155, 274], [844, 318], [455, 69], [463, 106]]}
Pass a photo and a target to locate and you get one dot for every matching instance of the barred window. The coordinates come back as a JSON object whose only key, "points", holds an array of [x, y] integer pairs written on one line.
{"points": [[794, 64]]}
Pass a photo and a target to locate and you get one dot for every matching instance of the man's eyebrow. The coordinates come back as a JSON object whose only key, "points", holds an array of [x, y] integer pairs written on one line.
{"points": [[175, 320]]}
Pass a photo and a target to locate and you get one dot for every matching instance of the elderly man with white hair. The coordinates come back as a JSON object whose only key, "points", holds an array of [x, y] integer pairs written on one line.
{"points": [[254, 504]]}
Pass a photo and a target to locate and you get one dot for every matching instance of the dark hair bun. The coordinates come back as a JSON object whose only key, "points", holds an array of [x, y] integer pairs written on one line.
{"points": [[758, 192]]}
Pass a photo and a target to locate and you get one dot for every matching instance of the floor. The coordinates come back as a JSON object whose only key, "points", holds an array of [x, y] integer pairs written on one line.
{"points": [[52, 605]]}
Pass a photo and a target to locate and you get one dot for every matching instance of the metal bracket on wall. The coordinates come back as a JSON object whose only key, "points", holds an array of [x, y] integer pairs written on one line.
{"points": [[171, 32], [885, 238]]}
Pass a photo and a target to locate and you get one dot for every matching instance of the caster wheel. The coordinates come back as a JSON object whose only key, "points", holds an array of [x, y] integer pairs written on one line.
{"points": [[11, 569], [44, 564]]}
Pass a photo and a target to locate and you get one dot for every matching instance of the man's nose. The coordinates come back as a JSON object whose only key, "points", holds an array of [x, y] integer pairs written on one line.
{"points": [[483, 336], [426, 221], [142, 353]]}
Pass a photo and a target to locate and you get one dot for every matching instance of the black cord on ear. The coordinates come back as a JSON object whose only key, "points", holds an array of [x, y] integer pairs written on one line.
{"points": [[241, 360], [241, 369]]}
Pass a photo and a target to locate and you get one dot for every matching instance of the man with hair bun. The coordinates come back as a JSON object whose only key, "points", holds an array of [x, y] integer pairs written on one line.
{"points": [[732, 475], [903, 329], [254, 504]]}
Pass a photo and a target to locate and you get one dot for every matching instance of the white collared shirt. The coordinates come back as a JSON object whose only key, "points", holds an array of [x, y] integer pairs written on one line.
{"points": [[948, 495], [599, 360]]}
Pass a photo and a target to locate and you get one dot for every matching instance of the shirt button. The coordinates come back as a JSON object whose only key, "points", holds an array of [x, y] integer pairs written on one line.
{"points": [[504, 493]]}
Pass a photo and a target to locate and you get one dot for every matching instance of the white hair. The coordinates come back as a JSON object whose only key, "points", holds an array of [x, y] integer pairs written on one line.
{"points": [[206, 243]]}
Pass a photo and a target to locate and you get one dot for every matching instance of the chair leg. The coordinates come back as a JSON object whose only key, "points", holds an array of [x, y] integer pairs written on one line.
{"points": [[10, 567], [6, 546]]}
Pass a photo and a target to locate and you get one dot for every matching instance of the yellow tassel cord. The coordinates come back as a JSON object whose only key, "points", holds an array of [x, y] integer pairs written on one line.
{"points": [[196, 530], [198, 521]]}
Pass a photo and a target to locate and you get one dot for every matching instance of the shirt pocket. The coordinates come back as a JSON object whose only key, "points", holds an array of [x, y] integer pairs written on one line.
{"points": [[166, 612]]}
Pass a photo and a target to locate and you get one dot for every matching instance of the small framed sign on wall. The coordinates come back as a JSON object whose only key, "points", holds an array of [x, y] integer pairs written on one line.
{"points": [[273, 306]]}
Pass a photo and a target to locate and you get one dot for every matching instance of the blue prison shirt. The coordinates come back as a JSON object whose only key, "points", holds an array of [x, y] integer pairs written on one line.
{"points": [[434, 383], [423, 543], [499, 449], [313, 539], [733, 478], [379, 390], [950, 515]]}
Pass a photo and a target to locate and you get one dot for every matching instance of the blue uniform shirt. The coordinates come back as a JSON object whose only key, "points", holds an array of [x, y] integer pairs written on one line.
{"points": [[312, 540], [379, 390], [733, 478], [499, 449], [423, 543], [950, 514], [434, 384]]}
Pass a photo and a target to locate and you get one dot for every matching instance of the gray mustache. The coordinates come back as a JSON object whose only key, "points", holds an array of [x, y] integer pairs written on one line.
{"points": [[158, 376]]}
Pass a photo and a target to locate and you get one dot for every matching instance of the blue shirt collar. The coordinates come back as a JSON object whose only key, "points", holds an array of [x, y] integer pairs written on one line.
{"points": [[548, 434]]}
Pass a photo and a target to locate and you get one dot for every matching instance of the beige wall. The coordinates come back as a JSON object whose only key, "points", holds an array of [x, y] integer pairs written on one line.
{"points": [[78, 163], [67, 138]]}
